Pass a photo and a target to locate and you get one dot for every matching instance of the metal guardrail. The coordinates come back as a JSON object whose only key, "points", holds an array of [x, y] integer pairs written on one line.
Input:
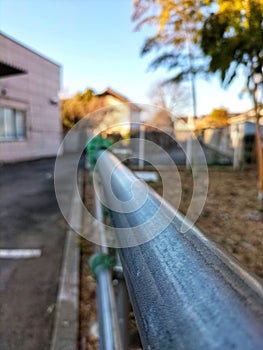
{"points": [[100, 262], [186, 293]]}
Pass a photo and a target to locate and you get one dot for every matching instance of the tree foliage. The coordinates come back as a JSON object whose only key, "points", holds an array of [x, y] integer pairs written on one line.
{"points": [[96, 112], [233, 37], [216, 119], [86, 104], [178, 24], [75, 108]]}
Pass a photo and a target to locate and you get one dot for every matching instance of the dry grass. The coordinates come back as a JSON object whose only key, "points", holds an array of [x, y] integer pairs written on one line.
{"points": [[230, 216]]}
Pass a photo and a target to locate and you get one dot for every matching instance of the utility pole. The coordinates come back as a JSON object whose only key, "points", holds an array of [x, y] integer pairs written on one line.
{"points": [[191, 118]]}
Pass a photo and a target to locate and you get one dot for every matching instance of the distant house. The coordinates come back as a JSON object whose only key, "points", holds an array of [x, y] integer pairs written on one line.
{"points": [[159, 129], [237, 140], [182, 128], [242, 134], [126, 114], [30, 122]]}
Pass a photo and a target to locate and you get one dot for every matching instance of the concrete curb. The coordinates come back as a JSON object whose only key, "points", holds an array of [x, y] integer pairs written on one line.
{"points": [[66, 324]]}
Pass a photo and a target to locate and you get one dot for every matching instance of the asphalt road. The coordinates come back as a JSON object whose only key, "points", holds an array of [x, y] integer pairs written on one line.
{"points": [[29, 218]]}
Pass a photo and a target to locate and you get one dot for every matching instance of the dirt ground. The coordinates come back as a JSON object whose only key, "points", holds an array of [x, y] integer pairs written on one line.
{"points": [[230, 217]]}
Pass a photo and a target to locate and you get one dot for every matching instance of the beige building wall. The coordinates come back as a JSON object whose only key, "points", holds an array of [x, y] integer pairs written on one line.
{"points": [[120, 118], [35, 93]]}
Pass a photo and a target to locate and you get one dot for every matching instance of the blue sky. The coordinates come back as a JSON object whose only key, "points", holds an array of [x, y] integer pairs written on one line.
{"points": [[96, 45]]}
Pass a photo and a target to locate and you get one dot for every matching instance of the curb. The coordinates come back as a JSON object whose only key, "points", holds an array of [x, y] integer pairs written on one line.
{"points": [[66, 324]]}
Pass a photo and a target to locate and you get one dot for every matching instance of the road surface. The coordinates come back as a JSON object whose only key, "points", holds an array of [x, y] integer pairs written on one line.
{"points": [[29, 218]]}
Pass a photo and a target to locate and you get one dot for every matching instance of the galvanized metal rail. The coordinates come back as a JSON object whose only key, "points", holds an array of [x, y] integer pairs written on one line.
{"points": [[186, 293], [109, 330]]}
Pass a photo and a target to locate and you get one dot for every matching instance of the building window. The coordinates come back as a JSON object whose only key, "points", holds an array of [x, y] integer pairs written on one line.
{"points": [[12, 124]]}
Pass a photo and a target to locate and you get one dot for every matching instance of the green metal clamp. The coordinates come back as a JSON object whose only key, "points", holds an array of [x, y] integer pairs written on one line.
{"points": [[98, 262]]}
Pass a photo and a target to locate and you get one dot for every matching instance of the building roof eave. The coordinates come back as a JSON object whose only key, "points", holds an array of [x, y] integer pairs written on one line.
{"points": [[7, 69], [120, 97]]}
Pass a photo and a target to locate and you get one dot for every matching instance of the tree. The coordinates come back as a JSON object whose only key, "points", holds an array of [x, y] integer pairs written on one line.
{"points": [[75, 108], [233, 38], [86, 105], [216, 119], [95, 112], [178, 24], [173, 97]]}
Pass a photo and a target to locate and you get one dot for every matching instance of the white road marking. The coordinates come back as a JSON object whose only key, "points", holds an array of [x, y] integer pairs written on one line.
{"points": [[19, 253], [147, 175]]}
